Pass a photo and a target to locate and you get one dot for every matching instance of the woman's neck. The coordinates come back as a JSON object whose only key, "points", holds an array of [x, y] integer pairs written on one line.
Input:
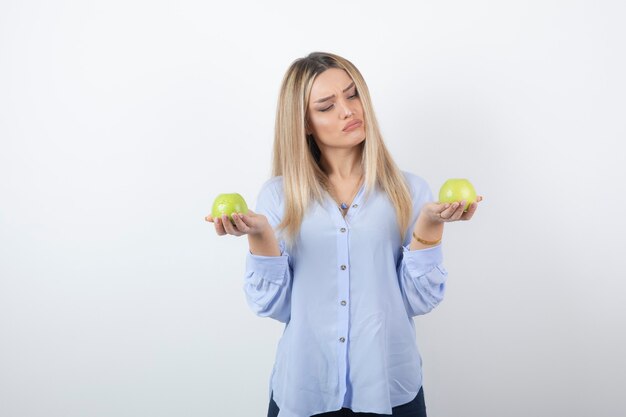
{"points": [[342, 164]]}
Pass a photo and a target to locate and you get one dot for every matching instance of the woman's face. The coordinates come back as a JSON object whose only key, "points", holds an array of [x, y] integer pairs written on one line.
{"points": [[334, 107]]}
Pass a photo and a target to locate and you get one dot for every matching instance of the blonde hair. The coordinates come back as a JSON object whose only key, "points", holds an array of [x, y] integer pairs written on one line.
{"points": [[296, 156]]}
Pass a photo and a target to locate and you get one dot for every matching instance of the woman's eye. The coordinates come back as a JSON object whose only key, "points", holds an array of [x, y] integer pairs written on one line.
{"points": [[355, 95]]}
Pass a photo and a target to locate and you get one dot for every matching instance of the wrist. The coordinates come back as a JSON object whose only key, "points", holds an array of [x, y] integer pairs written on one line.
{"points": [[263, 232], [426, 234], [427, 225], [264, 242]]}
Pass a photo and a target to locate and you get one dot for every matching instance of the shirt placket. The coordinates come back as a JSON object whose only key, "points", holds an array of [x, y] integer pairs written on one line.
{"points": [[343, 300], [343, 290]]}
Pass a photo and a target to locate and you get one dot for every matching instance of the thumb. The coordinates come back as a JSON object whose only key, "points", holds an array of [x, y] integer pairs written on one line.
{"points": [[441, 207], [250, 218], [249, 215]]}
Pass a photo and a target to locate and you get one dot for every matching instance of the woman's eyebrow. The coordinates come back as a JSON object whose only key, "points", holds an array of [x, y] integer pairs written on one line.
{"points": [[329, 97]]}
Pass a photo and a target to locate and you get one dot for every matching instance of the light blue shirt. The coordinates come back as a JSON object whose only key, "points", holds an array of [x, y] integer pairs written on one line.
{"points": [[347, 293]]}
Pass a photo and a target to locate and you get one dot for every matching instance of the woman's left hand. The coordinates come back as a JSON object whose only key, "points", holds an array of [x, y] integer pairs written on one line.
{"points": [[446, 212]]}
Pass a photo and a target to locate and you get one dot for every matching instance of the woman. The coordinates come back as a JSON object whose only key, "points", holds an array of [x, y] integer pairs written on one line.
{"points": [[344, 249]]}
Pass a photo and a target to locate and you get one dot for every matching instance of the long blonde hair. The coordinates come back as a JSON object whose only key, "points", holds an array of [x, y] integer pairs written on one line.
{"points": [[296, 156]]}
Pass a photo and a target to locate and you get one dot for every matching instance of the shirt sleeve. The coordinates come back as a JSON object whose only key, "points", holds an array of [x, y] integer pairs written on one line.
{"points": [[268, 279], [421, 274]]}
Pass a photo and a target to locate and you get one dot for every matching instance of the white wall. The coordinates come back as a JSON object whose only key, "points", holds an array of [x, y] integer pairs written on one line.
{"points": [[120, 121]]}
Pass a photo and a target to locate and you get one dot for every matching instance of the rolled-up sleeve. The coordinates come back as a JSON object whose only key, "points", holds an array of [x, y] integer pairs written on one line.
{"points": [[268, 285], [267, 280], [422, 279]]}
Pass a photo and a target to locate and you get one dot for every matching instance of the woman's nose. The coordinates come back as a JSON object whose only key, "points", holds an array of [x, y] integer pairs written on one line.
{"points": [[346, 111]]}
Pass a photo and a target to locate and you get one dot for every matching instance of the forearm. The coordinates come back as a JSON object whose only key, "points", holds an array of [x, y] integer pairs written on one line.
{"points": [[264, 243], [426, 230]]}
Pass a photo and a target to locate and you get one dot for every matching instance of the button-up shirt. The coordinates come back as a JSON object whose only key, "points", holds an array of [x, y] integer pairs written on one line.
{"points": [[347, 292]]}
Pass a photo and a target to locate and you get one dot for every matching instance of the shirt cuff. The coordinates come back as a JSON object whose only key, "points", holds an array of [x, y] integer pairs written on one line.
{"points": [[422, 261], [270, 268]]}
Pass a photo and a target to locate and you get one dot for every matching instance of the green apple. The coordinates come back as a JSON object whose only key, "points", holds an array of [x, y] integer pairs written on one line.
{"points": [[228, 204], [457, 189]]}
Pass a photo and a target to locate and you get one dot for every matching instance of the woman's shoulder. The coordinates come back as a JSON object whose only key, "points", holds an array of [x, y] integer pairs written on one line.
{"points": [[271, 191], [273, 185], [416, 183]]}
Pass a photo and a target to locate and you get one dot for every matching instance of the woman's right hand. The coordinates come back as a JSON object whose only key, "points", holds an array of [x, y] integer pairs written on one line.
{"points": [[248, 224]]}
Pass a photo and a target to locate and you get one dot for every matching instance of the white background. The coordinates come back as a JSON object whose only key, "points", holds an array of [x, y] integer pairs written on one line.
{"points": [[120, 121]]}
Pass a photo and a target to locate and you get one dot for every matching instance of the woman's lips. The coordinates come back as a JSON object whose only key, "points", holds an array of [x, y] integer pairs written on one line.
{"points": [[352, 125]]}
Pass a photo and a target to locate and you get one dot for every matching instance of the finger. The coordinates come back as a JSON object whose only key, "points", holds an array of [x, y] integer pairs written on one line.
{"points": [[434, 209], [230, 229], [241, 226], [252, 220], [441, 207], [470, 211], [479, 198], [209, 218], [458, 212], [447, 213], [219, 228], [246, 219]]}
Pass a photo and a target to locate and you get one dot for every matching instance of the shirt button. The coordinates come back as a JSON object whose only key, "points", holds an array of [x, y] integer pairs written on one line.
{"points": [[343, 267], [343, 303], [342, 339], [355, 205], [343, 229]]}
